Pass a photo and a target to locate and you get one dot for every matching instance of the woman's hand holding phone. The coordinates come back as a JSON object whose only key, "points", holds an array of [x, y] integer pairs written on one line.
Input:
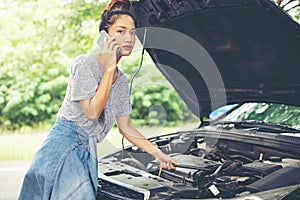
{"points": [[109, 51], [109, 54]]}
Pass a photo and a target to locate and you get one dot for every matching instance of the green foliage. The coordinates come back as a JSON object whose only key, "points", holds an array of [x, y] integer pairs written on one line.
{"points": [[155, 105], [154, 101], [39, 39]]}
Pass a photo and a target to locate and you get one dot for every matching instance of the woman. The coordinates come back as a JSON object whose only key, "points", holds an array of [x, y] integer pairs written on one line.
{"points": [[97, 94]]}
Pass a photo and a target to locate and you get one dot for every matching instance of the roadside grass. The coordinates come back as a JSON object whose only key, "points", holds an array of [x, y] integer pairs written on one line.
{"points": [[22, 146], [15, 147]]}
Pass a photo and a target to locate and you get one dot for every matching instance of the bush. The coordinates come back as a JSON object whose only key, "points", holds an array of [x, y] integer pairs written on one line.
{"points": [[155, 105], [34, 64], [30, 98], [40, 40]]}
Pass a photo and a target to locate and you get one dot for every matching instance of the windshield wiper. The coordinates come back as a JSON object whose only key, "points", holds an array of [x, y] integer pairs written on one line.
{"points": [[257, 125]]}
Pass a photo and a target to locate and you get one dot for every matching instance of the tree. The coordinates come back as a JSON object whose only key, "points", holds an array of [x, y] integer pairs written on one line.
{"points": [[40, 40]]}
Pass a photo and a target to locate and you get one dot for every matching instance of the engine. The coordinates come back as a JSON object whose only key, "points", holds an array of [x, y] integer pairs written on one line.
{"points": [[207, 169]]}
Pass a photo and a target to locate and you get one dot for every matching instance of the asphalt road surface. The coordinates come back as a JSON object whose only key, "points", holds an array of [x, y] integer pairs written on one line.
{"points": [[11, 177]]}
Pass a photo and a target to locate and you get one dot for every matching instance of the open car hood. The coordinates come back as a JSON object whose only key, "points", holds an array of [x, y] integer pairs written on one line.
{"points": [[223, 51]]}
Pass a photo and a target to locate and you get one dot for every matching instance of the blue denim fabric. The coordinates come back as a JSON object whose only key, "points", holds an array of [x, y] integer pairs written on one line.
{"points": [[65, 167]]}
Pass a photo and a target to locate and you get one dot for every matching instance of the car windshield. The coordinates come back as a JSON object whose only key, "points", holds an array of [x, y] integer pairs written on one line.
{"points": [[286, 115]]}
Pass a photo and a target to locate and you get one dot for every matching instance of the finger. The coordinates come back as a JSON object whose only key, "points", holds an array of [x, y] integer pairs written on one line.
{"points": [[112, 43], [171, 166], [116, 49], [105, 44], [164, 165], [168, 166], [175, 162]]}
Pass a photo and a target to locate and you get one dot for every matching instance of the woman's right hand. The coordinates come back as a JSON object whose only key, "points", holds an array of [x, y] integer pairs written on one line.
{"points": [[108, 58]]}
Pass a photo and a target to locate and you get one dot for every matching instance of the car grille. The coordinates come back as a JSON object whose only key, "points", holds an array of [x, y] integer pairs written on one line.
{"points": [[108, 190]]}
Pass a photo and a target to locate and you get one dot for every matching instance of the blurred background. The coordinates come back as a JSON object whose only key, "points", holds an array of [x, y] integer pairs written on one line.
{"points": [[39, 40]]}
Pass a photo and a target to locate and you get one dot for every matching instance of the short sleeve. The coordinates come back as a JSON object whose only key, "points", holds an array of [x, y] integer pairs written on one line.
{"points": [[83, 83], [123, 105]]}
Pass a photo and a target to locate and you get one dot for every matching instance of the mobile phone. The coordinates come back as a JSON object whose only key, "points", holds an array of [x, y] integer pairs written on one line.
{"points": [[105, 37]]}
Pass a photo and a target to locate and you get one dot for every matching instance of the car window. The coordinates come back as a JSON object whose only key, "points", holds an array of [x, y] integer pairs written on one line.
{"points": [[220, 111]]}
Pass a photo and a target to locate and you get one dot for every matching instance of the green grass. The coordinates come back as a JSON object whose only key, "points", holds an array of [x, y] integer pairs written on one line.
{"points": [[19, 146], [22, 146]]}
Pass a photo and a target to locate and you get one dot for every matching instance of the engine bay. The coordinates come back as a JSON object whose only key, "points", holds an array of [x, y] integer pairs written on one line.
{"points": [[208, 168]]}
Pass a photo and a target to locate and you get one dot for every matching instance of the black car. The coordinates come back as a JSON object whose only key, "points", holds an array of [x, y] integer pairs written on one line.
{"points": [[236, 64]]}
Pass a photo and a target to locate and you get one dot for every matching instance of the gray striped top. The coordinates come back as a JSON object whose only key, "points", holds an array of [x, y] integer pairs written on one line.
{"points": [[85, 77]]}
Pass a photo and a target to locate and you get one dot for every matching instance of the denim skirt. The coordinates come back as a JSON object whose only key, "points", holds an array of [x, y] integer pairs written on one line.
{"points": [[65, 167]]}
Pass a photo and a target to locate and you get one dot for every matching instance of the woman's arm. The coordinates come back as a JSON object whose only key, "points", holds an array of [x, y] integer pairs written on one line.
{"points": [[94, 106], [136, 138]]}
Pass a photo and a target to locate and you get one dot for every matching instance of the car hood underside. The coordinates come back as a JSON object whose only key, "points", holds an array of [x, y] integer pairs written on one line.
{"points": [[219, 52]]}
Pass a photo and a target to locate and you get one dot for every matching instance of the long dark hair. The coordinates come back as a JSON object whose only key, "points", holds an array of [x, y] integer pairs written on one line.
{"points": [[114, 9]]}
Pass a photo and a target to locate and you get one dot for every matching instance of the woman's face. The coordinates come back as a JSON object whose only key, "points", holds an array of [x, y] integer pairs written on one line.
{"points": [[124, 32]]}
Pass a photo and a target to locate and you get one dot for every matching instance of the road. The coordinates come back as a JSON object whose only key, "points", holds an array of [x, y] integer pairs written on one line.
{"points": [[11, 177]]}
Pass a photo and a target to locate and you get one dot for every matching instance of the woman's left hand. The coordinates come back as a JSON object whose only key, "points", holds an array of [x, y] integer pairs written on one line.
{"points": [[165, 161]]}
